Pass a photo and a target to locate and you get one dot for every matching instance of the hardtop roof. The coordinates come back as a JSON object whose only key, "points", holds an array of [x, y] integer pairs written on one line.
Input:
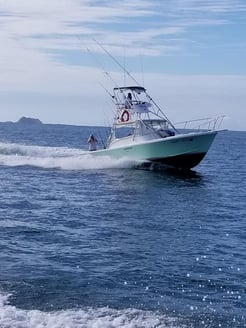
{"points": [[131, 88]]}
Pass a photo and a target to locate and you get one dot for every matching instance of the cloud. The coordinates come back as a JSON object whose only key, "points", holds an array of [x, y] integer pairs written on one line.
{"points": [[201, 7], [56, 21], [41, 39], [56, 25]]}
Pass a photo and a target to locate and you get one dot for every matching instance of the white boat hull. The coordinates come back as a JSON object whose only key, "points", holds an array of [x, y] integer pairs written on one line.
{"points": [[181, 151]]}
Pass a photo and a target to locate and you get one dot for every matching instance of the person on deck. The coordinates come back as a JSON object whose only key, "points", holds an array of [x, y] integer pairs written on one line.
{"points": [[128, 103], [92, 142]]}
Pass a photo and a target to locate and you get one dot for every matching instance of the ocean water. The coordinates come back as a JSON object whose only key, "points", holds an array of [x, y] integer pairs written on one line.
{"points": [[99, 243]]}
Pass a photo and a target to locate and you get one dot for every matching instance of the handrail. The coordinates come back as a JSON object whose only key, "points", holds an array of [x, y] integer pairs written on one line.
{"points": [[207, 123]]}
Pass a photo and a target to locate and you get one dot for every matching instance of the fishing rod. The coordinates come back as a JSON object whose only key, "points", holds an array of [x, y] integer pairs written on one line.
{"points": [[102, 67], [101, 140], [112, 97], [98, 63], [108, 76]]}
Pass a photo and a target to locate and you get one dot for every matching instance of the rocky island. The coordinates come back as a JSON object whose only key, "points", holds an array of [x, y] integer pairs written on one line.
{"points": [[29, 121]]}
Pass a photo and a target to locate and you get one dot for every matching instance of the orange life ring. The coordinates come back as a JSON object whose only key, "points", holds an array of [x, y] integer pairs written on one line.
{"points": [[125, 116]]}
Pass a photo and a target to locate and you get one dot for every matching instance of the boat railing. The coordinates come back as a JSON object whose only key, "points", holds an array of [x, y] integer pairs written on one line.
{"points": [[202, 124]]}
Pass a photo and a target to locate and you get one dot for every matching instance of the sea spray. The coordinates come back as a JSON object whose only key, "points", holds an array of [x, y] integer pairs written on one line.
{"points": [[56, 157], [13, 317]]}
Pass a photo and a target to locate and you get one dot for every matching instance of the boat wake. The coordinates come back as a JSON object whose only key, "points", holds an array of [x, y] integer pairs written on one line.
{"points": [[11, 316], [13, 154]]}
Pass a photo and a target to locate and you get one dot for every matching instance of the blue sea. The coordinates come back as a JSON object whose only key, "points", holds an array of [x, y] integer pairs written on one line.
{"points": [[88, 242]]}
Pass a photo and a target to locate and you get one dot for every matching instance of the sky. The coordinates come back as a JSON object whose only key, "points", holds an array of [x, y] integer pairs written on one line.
{"points": [[189, 54]]}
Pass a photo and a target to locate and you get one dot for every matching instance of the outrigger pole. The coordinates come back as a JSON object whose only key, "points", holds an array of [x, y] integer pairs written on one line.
{"points": [[132, 77], [117, 62]]}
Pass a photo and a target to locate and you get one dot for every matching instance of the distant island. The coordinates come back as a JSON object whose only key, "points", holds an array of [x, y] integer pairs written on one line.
{"points": [[29, 121]]}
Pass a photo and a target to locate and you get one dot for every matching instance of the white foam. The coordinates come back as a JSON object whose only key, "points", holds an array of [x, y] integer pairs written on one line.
{"points": [[13, 154], [12, 317]]}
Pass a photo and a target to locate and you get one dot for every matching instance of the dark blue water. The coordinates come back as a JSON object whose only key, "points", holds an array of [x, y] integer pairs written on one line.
{"points": [[98, 243]]}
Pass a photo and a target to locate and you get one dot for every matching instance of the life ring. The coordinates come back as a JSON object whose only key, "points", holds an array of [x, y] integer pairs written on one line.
{"points": [[125, 116]]}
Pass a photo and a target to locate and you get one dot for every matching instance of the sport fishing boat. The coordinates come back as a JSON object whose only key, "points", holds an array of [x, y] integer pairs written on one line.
{"points": [[142, 132]]}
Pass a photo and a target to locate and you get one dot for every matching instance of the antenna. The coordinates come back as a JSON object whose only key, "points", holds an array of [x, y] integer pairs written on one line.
{"points": [[141, 61]]}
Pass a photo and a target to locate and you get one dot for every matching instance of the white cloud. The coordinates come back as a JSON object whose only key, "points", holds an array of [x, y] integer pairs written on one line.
{"points": [[49, 22], [35, 34], [207, 7], [55, 25]]}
